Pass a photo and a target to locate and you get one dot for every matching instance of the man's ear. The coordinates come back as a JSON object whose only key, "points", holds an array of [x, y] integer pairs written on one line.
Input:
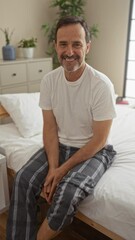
{"points": [[88, 47], [55, 44]]}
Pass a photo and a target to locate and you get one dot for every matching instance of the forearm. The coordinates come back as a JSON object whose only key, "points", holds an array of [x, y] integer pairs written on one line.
{"points": [[51, 145], [84, 153], [50, 139], [97, 142]]}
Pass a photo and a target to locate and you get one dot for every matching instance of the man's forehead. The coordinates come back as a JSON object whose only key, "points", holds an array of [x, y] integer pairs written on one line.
{"points": [[71, 27], [73, 31], [71, 41]]}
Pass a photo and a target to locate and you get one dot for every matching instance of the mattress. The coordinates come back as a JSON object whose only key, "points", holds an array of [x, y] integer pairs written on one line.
{"points": [[113, 202]]}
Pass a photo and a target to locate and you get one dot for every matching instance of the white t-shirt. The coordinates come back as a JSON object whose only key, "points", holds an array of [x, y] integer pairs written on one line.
{"points": [[76, 104]]}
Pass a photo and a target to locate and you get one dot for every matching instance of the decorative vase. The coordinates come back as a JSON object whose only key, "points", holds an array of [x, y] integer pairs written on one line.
{"points": [[8, 52], [28, 52]]}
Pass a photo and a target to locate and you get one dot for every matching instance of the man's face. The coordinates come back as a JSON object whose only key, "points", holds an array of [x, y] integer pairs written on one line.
{"points": [[71, 47]]}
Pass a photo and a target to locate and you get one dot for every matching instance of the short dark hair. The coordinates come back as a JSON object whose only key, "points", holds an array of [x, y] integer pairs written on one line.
{"points": [[68, 20]]}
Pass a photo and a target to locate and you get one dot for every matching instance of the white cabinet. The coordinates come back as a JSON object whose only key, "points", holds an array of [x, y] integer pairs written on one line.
{"points": [[23, 75], [4, 191], [12, 74]]}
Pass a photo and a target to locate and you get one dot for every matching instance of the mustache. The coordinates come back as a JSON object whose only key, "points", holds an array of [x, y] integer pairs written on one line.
{"points": [[70, 57]]}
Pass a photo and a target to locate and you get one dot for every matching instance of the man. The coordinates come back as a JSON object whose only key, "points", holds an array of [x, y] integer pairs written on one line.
{"points": [[78, 107]]}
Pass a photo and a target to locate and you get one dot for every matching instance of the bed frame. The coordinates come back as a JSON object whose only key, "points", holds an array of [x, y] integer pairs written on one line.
{"points": [[79, 215]]}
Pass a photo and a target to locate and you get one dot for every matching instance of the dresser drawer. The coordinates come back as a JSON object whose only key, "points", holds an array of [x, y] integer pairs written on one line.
{"points": [[23, 75], [36, 70], [12, 73]]}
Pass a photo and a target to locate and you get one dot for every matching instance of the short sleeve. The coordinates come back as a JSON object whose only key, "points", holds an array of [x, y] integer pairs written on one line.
{"points": [[103, 107]]}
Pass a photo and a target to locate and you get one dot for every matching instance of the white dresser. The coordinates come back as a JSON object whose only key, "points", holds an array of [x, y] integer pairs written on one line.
{"points": [[4, 190], [23, 75]]}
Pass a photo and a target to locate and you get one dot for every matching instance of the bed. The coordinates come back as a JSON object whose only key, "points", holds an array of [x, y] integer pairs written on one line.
{"points": [[111, 208]]}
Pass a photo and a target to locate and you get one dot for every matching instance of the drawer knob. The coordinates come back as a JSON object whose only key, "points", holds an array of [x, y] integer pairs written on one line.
{"points": [[40, 70], [14, 74]]}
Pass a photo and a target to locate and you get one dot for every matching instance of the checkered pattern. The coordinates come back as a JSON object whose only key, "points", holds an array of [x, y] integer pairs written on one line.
{"points": [[73, 188]]}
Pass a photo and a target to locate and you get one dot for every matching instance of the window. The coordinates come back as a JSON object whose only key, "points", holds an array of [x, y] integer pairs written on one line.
{"points": [[129, 88]]}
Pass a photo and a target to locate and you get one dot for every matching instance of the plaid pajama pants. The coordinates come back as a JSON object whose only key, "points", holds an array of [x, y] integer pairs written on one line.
{"points": [[73, 188]]}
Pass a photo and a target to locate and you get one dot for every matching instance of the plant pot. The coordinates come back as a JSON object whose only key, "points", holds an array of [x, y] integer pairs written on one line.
{"points": [[28, 52], [8, 52]]}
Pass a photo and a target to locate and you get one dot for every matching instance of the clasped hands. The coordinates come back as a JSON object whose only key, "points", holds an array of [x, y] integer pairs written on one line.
{"points": [[52, 180]]}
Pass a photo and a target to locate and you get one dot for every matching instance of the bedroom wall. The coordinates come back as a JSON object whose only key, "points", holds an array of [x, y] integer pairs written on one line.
{"points": [[107, 52], [26, 18]]}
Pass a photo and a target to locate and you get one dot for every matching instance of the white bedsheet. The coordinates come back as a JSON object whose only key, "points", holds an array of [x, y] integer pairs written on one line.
{"points": [[17, 149], [113, 203]]}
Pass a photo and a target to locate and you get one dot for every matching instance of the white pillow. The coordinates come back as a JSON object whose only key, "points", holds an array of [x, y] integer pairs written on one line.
{"points": [[25, 112]]}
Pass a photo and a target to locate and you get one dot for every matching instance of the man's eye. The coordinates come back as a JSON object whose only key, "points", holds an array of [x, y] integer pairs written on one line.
{"points": [[63, 45], [77, 45]]}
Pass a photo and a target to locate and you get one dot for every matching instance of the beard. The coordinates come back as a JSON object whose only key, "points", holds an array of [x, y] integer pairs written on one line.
{"points": [[70, 63]]}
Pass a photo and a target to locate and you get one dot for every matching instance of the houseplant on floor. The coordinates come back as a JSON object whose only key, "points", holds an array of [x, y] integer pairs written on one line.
{"points": [[8, 51], [65, 8], [28, 46]]}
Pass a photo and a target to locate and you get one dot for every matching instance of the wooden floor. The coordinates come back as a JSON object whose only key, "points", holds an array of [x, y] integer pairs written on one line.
{"points": [[76, 231]]}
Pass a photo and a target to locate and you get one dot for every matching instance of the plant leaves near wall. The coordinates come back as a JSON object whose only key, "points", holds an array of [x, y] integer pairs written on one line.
{"points": [[7, 34], [8, 51]]}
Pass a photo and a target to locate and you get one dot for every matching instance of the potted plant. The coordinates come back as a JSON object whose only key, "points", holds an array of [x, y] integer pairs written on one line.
{"points": [[65, 8], [28, 46], [8, 51]]}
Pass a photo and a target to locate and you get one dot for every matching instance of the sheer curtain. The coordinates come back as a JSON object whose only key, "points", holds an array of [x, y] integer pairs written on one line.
{"points": [[130, 68]]}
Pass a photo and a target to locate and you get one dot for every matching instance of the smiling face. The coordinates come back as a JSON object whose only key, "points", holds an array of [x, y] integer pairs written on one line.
{"points": [[71, 48]]}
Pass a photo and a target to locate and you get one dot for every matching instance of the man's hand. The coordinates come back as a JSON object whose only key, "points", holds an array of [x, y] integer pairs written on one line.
{"points": [[52, 180]]}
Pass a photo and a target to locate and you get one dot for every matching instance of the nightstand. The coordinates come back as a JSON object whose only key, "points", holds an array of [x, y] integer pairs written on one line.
{"points": [[4, 191]]}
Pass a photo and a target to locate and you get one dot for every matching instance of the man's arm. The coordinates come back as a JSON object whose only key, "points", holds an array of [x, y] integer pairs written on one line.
{"points": [[51, 145], [50, 138], [101, 131]]}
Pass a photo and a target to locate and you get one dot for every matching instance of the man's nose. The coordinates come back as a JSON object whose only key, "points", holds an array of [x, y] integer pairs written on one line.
{"points": [[69, 50]]}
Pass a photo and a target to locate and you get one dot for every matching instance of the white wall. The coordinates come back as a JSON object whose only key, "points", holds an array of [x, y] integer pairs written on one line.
{"points": [[107, 52], [26, 18]]}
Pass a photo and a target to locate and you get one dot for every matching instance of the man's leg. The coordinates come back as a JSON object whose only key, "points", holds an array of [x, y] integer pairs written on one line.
{"points": [[73, 188], [22, 219], [45, 232]]}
